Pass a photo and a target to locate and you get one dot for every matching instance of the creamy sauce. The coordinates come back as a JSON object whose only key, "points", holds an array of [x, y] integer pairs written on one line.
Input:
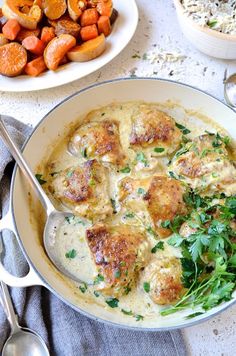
{"points": [[71, 234]]}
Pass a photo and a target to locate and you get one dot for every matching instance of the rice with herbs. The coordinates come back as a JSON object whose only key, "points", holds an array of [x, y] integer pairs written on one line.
{"points": [[219, 15]]}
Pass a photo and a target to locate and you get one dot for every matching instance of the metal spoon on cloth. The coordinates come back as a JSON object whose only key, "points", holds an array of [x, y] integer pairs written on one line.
{"points": [[22, 341], [55, 218], [230, 89]]}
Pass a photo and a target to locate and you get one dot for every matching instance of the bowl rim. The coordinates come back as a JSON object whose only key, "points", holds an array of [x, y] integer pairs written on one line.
{"points": [[206, 30], [187, 323]]}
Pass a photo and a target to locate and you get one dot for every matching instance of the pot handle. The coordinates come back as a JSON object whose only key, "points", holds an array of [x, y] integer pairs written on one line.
{"points": [[31, 279]]}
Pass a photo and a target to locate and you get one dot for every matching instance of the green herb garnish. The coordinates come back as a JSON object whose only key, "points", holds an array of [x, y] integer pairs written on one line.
{"points": [[141, 191], [138, 317], [158, 246], [159, 149], [40, 179], [98, 279], [140, 157], [83, 288], [127, 312], [112, 302], [182, 128], [146, 287], [117, 273], [211, 23], [125, 170], [71, 254]]}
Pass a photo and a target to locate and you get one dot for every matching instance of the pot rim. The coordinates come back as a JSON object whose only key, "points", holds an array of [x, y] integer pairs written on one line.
{"points": [[201, 318]]}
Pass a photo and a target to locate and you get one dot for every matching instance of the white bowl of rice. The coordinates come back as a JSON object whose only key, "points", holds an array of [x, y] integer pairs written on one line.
{"points": [[210, 25]]}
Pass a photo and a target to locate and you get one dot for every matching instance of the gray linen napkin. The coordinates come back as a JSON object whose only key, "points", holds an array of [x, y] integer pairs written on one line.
{"points": [[65, 331]]}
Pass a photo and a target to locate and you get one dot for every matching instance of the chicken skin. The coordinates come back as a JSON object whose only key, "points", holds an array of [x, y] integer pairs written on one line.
{"points": [[98, 140], [84, 190], [164, 277], [161, 196], [204, 165], [152, 127], [119, 253]]}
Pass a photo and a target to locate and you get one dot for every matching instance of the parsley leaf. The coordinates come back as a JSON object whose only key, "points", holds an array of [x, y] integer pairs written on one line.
{"points": [[98, 279], [40, 179], [159, 149], [140, 157], [182, 128], [71, 254], [112, 302], [146, 287], [125, 170], [158, 246]]}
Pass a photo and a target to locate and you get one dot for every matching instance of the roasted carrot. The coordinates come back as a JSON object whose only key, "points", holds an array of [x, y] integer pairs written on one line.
{"points": [[89, 17], [47, 34], [11, 29], [34, 45], [88, 32], [24, 32], [35, 67], [104, 25]]}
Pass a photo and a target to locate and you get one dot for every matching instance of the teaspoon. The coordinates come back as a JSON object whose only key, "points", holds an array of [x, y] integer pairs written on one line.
{"points": [[55, 218], [22, 341]]}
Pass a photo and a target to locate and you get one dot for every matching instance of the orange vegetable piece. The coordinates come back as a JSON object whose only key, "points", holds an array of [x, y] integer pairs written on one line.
{"points": [[104, 25], [57, 49], [89, 32], [35, 67], [54, 9], [47, 34], [75, 8], [89, 17], [34, 45], [26, 33], [104, 7], [13, 58], [11, 29]]}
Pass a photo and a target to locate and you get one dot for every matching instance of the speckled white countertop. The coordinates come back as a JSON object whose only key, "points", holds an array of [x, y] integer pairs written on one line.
{"points": [[157, 32]]}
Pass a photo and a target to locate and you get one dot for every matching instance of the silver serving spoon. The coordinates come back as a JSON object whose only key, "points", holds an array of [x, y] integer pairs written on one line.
{"points": [[230, 89], [55, 218], [22, 341]]}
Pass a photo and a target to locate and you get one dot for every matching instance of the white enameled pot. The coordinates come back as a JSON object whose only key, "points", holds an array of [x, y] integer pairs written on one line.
{"points": [[41, 142]]}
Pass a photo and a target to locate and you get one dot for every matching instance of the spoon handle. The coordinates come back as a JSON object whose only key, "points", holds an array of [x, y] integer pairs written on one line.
{"points": [[24, 166], [8, 308]]}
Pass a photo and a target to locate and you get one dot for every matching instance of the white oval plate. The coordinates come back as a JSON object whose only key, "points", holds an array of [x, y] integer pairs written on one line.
{"points": [[121, 35]]}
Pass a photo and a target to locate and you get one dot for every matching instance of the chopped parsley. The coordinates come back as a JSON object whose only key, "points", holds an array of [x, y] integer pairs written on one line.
{"points": [[83, 288], [158, 246], [139, 317], [71, 254], [40, 179], [146, 287], [182, 128], [135, 56], [129, 215], [117, 273], [125, 170], [112, 302], [159, 149], [141, 191], [98, 279], [140, 157], [211, 23], [127, 312], [97, 294]]}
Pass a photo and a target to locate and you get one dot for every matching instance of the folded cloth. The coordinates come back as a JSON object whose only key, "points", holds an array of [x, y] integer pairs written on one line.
{"points": [[65, 331]]}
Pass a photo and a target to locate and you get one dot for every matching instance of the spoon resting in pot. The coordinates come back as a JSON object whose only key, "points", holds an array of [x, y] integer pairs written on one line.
{"points": [[55, 218]]}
